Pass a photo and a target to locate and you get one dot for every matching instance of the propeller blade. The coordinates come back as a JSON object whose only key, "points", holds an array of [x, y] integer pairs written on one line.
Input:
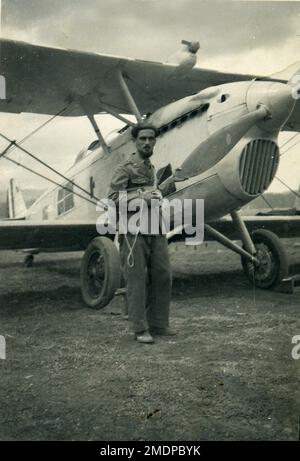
{"points": [[214, 148], [294, 79], [294, 82]]}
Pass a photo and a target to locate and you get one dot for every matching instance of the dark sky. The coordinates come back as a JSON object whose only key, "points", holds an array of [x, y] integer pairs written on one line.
{"points": [[237, 36], [152, 29]]}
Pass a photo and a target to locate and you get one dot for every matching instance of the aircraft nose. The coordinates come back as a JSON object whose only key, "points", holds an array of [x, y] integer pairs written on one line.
{"points": [[276, 97], [280, 100]]}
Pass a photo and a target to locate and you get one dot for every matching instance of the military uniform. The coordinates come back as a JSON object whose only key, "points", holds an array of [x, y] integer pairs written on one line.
{"points": [[148, 281]]}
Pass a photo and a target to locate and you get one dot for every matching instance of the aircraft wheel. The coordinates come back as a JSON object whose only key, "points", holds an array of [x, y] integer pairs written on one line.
{"points": [[28, 260], [100, 272], [273, 262]]}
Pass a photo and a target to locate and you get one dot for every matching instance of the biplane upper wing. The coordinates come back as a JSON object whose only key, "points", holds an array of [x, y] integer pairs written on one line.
{"points": [[72, 235], [44, 80]]}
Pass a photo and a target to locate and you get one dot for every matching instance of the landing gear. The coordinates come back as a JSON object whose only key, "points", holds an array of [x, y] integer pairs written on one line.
{"points": [[272, 264], [264, 259], [100, 272], [28, 260]]}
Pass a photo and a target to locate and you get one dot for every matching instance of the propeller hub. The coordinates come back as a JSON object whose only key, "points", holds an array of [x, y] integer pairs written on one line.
{"points": [[278, 100]]}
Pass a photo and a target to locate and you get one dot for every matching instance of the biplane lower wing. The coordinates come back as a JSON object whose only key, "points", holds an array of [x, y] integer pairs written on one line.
{"points": [[73, 236], [17, 235], [282, 226]]}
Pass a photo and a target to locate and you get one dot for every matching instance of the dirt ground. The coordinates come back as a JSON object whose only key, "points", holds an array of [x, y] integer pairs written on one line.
{"points": [[72, 373]]}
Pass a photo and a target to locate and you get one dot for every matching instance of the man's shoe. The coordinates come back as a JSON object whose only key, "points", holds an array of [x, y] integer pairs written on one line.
{"points": [[167, 331], [144, 337]]}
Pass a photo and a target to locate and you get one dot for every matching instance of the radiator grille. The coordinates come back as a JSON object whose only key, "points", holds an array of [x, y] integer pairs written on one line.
{"points": [[258, 165]]}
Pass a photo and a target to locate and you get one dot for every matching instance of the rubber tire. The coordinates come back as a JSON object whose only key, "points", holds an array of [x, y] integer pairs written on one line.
{"points": [[278, 254], [112, 272]]}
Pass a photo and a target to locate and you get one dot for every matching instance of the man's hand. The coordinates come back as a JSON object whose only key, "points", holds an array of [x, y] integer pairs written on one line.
{"points": [[149, 195], [146, 194]]}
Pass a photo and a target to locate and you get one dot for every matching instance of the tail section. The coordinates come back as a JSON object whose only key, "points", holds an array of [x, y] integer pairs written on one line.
{"points": [[297, 201], [15, 201]]}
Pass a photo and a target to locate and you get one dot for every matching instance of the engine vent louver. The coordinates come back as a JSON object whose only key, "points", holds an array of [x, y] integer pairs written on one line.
{"points": [[258, 165]]}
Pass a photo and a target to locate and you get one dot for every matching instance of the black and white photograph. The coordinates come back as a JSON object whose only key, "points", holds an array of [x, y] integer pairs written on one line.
{"points": [[149, 222]]}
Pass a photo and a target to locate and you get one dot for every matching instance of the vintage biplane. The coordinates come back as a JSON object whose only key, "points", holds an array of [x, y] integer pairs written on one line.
{"points": [[218, 141]]}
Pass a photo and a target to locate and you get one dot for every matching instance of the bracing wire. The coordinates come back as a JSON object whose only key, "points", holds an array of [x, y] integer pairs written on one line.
{"points": [[42, 163], [13, 145], [290, 147], [287, 186], [50, 180], [267, 202], [39, 128], [289, 140], [287, 149]]}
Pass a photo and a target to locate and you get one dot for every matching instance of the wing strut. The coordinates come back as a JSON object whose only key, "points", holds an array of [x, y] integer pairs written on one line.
{"points": [[98, 133], [216, 235], [83, 102], [131, 104], [129, 98], [115, 114], [242, 228]]}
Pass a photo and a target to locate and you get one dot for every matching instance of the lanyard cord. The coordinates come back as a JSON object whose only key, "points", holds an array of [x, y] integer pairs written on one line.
{"points": [[130, 257]]}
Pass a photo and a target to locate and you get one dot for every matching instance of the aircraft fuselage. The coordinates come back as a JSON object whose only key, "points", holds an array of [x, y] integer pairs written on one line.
{"points": [[242, 175]]}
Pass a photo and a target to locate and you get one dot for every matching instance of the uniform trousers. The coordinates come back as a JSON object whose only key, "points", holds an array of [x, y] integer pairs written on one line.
{"points": [[148, 282]]}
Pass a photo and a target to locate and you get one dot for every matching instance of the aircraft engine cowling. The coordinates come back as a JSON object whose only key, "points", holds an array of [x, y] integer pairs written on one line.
{"points": [[250, 168], [244, 174], [258, 164]]}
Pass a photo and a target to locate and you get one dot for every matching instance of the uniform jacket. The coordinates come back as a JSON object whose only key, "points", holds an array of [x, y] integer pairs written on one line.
{"points": [[131, 175]]}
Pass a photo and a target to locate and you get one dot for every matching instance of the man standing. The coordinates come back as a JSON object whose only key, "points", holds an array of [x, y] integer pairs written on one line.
{"points": [[144, 257]]}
